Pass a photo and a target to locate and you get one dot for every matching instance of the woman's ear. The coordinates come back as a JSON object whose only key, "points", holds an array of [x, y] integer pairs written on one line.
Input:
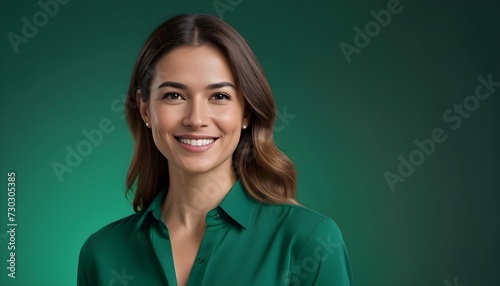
{"points": [[143, 107], [246, 118]]}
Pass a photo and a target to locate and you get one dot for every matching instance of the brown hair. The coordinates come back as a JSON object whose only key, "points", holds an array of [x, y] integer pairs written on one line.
{"points": [[267, 174]]}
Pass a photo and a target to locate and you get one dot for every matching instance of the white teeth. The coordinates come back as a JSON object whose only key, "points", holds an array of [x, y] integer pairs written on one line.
{"points": [[199, 142]]}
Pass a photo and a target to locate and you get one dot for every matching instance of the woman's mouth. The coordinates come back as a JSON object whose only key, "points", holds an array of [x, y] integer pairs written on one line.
{"points": [[196, 142]]}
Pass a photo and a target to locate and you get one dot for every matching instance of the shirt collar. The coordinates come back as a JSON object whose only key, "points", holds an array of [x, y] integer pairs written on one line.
{"points": [[154, 207], [237, 203]]}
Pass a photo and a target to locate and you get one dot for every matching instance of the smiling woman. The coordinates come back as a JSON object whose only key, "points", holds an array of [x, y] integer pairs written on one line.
{"points": [[195, 101], [214, 197]]}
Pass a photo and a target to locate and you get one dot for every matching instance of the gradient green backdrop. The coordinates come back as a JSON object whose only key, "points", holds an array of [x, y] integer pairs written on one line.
{"points": [[350, 123]]}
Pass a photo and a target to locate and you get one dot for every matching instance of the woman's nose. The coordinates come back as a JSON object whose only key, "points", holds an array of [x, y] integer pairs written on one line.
{"points": [[196, 115]]}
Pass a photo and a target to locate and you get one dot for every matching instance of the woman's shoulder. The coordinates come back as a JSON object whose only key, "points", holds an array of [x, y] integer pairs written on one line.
{"points": [[303, 220], [113, 233], [319, 251]]}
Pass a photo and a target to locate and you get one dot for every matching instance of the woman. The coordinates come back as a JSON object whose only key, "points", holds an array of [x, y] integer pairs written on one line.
{"points": [[214, 198]]}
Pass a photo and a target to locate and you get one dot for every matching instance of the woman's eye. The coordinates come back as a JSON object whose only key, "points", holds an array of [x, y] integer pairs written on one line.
{"points": [[220, 96], [172, 96]]}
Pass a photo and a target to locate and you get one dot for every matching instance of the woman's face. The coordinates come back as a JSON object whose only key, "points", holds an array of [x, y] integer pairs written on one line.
{"points": [[194, 111]]}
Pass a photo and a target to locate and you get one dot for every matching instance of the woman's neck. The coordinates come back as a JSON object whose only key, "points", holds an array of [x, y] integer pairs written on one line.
{"points": [[191, 196]]}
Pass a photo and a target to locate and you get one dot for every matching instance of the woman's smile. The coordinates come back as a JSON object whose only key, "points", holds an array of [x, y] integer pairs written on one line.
{"points": [[191, 144]]}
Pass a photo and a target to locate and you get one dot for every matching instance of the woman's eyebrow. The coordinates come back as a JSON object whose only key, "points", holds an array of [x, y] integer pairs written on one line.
{"points": [[220, 84], [183, 86], [173, 84]]}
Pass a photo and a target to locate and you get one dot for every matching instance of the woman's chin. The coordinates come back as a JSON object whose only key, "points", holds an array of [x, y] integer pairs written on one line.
{"points": [[196, 168]]}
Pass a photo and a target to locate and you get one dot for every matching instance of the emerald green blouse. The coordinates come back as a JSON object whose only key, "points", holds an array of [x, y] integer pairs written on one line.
{"points": [[246, 242]]}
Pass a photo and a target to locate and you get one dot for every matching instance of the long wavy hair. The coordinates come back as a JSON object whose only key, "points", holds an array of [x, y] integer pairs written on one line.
{"points": [[267, 174]]}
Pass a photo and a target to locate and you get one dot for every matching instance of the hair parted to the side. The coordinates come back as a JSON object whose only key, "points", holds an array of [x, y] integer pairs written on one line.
{"points": [[266, 173]]}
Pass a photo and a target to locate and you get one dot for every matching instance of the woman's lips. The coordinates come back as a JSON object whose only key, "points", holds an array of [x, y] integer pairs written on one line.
{"points": [[196, 142], [196, 145]]}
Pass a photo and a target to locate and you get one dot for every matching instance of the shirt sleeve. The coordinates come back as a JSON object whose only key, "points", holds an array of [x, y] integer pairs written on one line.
{"points": [[85, 275], [323, 259]]}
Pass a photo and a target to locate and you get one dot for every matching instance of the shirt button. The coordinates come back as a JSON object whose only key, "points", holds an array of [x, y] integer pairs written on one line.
{"points": [[217, 216], [200, 260]]}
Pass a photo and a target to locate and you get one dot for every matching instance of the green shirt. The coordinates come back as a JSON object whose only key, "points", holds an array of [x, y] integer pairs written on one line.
{"points": [[246, 242]]}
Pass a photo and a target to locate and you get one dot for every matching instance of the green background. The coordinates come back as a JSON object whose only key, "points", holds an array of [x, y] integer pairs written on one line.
{"points": [[352, 121]]}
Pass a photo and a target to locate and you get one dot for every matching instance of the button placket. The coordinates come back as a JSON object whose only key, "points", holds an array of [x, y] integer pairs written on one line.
{"points": [[210, 238]]}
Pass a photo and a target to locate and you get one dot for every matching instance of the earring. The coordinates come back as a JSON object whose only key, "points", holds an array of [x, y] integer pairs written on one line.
{"points": [[147, 124], [244, 127]]}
